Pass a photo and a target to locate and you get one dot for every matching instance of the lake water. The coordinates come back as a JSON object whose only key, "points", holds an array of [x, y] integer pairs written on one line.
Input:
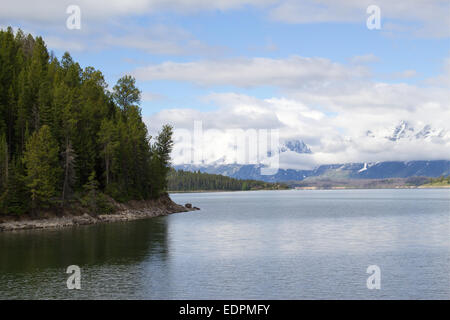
{"points": [[247, 245]]}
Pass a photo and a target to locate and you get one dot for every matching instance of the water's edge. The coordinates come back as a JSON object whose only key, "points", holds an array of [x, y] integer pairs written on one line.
{"points": [[135, 210]]}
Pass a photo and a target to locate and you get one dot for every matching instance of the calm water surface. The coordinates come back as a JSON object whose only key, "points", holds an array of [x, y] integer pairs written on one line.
{"points": [[247, 245]]}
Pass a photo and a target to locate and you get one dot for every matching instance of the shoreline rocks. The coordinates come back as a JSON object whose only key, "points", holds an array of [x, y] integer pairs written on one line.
{"points": [[134, 210]]}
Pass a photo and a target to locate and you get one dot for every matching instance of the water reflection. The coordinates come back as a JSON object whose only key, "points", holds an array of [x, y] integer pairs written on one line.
{"points": [[115, 243], [247, 245]]}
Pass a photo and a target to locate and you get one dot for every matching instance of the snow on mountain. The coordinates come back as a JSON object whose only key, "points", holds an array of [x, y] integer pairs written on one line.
{"points": [[401, 131], [405, 131], [297, 146], [364, 168], [375, 170], [288, 146]]}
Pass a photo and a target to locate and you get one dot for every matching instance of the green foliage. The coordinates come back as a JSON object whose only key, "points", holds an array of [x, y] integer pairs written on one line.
{"points": [[42, 167], [59, 124], [125, 92], [94, 200], [160, 165], [416, 181], [4, 161], [440, 181], [16, 198], [196, 181]]}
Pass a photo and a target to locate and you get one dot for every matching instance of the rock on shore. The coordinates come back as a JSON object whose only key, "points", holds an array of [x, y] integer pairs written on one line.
{"points": [[133, 210]]}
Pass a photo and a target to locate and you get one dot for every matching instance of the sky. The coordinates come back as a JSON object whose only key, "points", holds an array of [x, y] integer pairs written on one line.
{"points": [[312, 70]]}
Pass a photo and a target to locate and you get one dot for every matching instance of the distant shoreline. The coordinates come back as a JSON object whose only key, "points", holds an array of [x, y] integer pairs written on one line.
{"points": [[314, 188], [216, 191], [381, 188]]}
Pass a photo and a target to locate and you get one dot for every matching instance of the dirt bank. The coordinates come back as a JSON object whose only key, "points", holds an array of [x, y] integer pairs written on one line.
{"points": [[133, 210]]}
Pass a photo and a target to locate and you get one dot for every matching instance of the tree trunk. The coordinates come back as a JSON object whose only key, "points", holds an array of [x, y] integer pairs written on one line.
{"points": [[107, 167], [66, 173]]}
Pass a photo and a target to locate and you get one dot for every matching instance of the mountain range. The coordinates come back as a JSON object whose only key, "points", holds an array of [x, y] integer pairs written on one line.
{"points": [[405, 131], [377, 170], [360, 170]]}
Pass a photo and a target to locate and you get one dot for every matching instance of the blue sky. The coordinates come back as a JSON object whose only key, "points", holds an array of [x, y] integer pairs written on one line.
{"points": [[249, 33], [216, 58]]}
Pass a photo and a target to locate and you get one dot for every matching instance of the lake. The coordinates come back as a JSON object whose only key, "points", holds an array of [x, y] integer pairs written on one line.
{"points": [[293, 244]]}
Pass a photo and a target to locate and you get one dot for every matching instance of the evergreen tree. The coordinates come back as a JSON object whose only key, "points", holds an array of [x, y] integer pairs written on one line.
{"points": [[16, 198], [160, 164], [195, 181], [125, 92], [59, 124], [4, 161], [68, 157], [42, 167]]}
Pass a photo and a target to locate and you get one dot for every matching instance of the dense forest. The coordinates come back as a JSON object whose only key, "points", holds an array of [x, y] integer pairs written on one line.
{"points": [[64, 137], [179, 180]]}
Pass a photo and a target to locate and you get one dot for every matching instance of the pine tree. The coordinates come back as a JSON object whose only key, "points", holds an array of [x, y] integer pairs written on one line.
{"points": [[109, 144], [68, 156], [42, 167], [23, 111], [164, 145], [11, 115], [160, 164], [44, 101], [91, 192], [125, 92], [59, 123], [16, 198], [4, 161]]}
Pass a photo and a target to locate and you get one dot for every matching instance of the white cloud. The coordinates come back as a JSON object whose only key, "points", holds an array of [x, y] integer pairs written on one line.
{"points": [[333, 120], [425, 18], [404, 74], [54, 11], [53, 43], [430, 17], [158, 39], [333, 138], [155, 39], [249, 72], [151, 96], [366, 58], [442, 80], [375, 97]]}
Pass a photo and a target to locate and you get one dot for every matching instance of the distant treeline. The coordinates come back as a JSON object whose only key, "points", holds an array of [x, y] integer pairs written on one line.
{"points": [[440, 181], [329, 183], [197, 181], [64, 137]]}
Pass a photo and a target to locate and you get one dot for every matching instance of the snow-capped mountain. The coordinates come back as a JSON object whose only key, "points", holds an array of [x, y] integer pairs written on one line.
{"points": [[405, 131], [297, 146], [375, 170]]}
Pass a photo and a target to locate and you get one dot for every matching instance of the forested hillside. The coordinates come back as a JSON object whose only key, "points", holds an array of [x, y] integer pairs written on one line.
{"points": [[64, 137], [179, 180]]}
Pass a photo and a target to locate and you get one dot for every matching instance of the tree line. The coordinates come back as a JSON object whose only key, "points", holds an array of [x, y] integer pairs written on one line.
{"points": [[442, 180], [65, 137], [180, 180]]}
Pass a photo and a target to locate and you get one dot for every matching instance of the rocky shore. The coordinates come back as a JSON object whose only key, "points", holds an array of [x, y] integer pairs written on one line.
{"points": [[133, 210]]}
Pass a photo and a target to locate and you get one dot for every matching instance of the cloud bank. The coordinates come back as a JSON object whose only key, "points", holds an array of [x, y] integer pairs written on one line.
{"points": [[340, 112]]}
